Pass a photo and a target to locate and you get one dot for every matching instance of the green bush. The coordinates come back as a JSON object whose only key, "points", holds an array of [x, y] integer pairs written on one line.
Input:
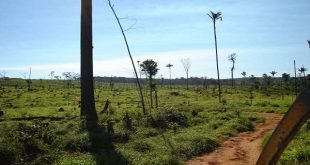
{"points": [[142, 146], [174, 93], [203, 145], [198, 145], [165, 120], [243, 125]]}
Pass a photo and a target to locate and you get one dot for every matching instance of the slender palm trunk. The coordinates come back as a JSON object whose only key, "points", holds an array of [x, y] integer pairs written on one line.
{"points": [[217, 63], [170, 76], [87, 83], [232, 75], [187, 80]]}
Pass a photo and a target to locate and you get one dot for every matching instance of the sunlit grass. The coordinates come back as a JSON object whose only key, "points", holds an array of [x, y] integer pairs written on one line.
{"points": [[187, 123]]}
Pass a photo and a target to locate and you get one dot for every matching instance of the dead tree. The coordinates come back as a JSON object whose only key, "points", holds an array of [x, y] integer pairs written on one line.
{"points": [[186, 64], [232, 58]]}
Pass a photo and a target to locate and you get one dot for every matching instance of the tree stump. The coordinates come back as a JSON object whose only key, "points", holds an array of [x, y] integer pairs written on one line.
{"points": [[106, 106], [110, 127]]}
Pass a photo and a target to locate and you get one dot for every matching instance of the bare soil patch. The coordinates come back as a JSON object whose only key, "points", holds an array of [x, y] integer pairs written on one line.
{"points": [[244, 148]]}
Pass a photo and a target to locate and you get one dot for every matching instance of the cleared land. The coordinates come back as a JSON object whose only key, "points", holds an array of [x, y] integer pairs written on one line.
{"points": [[42, 125]]}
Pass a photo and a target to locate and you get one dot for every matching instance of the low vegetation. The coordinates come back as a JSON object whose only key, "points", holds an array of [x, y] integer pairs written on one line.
{"points": [[43, 125]]}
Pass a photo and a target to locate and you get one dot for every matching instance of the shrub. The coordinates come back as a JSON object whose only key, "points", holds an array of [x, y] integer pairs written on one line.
{"points": [[166, 119], [243, 125], [142, 146], [197, 146], [174, 93], [151, 133], [203, 145]]}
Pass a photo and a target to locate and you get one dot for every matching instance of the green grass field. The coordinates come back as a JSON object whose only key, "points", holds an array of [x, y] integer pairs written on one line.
{"points": [[43, 125]]}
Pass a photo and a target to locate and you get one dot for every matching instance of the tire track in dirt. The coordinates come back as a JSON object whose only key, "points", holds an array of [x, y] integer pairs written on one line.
{"points": [[242, 149]]}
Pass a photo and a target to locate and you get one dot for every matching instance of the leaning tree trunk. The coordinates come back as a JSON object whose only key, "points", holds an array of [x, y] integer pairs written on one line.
{"points": [[217, 63], [87, 83], [129, 53]]}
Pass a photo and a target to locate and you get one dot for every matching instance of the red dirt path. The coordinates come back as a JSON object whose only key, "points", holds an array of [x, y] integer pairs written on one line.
{"points": [[244, 149]]}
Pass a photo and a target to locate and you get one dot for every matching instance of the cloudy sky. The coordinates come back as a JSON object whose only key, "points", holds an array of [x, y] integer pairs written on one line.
{"points": [[266, 35]]}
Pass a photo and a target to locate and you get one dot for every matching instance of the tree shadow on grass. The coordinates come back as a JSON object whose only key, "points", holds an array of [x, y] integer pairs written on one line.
{"points": [[101, 145]]}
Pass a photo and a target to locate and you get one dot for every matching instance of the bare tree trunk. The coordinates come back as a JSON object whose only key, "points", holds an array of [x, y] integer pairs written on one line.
{"points": [[305, 80], [151, 91], [217, 63], [232, 78], [87, 84], [156, 99]]}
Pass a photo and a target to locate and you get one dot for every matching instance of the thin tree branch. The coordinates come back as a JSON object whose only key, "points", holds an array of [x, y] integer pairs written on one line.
{"points": [[132, 25], [129, 53]]}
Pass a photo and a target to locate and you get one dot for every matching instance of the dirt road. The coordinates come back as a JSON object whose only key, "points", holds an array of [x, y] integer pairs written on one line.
{"points": [[244, 149]]}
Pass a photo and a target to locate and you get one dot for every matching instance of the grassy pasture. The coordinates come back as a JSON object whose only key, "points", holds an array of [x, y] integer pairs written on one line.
{"points": [[43, 126]]}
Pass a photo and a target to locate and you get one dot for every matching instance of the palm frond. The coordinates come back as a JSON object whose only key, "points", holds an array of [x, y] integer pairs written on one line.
{"points": [[215, 16], [212, 18]]}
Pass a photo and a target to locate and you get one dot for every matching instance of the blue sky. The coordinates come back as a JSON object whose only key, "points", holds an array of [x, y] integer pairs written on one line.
{"points": [[266, 35]]}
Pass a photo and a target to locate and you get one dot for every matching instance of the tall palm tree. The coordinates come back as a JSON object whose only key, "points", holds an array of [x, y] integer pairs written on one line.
{"points": [[303, 70], [243, 74], [273, 73], [169, 66], [232, 58], [87, 83], [215, 17]]}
